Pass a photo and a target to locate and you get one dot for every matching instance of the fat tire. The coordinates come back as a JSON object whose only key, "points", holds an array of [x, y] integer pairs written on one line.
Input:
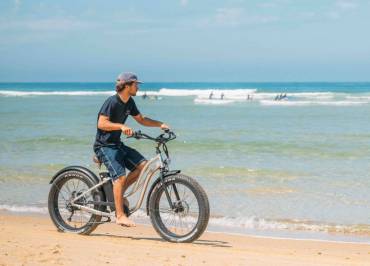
{"points": [[53, 207], [203, 206]]}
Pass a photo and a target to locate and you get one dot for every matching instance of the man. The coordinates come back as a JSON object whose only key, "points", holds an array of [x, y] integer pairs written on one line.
{"points": [[108, 147]]}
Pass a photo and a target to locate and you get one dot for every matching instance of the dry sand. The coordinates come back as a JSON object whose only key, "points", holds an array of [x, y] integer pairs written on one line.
{"points": [[33, 240]]}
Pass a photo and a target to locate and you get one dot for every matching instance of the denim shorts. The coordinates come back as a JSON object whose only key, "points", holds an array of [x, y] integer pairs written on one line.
{"points": [[118, 157]]}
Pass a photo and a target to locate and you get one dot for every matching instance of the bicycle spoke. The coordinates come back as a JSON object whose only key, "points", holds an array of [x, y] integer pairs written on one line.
{"points": [[166, 210], [78, 184], [67, 187], [183, 194], [59, 191], [181, 224], [73, 185]]}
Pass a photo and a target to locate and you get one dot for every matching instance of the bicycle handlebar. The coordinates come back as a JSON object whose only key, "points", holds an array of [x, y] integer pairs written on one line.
{"points": [[162, 138]]}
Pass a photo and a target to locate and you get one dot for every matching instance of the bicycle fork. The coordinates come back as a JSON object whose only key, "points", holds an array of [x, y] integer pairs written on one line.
{"points": [[168, 196]]}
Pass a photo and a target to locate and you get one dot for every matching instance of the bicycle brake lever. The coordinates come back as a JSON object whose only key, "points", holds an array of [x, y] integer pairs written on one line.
{"points": [[160, 137]]}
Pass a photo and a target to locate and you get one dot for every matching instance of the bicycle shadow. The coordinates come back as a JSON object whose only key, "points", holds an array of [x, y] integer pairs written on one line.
{"points": [[200, 242]]}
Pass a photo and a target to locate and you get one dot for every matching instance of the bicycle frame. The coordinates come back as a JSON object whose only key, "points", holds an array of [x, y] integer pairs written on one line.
{"points": [[146, 174]]}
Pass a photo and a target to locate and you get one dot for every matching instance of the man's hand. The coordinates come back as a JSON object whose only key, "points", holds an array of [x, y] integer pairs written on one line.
{"points": [[127, 131], [164, 126]]}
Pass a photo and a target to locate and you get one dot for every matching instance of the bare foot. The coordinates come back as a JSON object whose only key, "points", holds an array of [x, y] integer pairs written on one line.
{"points": [[124, 221]]}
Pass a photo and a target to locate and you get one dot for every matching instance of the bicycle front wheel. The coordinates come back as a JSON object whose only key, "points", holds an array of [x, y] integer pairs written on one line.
{"points": [[187, 218]]}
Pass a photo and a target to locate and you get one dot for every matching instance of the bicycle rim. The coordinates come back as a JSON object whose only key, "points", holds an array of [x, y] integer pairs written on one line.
{"points": [[183, 219], [67, 190]]}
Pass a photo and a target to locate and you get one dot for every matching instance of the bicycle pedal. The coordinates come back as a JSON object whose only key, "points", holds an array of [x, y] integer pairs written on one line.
{"points": [[103, 175]]}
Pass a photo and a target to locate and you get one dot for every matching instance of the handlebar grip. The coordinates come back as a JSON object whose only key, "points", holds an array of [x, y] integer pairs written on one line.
{"points": [[136, 135]]}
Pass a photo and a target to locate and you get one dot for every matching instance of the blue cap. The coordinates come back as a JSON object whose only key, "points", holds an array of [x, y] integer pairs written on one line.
{"points": [[128, 77]]}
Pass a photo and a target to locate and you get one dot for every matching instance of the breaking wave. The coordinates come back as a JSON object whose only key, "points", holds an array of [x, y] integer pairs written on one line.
{"points": [[8, 93], [308, 103], [23, 209], [226, 96], [256, 223]]}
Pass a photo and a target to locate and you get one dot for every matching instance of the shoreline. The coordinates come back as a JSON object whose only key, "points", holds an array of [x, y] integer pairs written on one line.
{"points": [[284, 234], [289, 238], [34, 240]]}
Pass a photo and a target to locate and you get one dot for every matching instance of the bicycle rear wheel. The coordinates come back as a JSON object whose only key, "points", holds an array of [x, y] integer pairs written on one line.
{"points": [[188, 217], [67, 218]]}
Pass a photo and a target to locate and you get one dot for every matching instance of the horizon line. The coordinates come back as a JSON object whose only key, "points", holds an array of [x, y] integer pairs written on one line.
{"points": [[358, 81]]}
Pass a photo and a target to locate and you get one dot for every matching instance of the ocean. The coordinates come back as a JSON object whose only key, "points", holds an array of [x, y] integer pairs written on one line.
{"points": [[294, 166]]}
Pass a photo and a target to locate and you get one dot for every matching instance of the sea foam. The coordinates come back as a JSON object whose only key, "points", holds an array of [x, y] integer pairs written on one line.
{"points": [[23, 209], [246, 223], [53, 93], [311, 103]]}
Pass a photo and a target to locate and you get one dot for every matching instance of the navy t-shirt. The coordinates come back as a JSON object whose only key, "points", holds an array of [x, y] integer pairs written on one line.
{"points": [[117, 112]]}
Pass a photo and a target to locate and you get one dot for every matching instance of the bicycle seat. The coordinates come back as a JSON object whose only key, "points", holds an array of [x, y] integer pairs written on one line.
{"points": [[96, 160]]}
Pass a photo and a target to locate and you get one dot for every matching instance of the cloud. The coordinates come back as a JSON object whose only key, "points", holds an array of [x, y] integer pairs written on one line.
{"points": [[61, 24], [234, 17], [333, 15], [267, 5], [341, 8], [17, 4], [308, 15], [52, 24], [346, 5], [184, 2], [229, 16]]}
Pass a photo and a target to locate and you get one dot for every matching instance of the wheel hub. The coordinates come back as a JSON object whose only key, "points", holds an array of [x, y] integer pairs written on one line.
{"points": [[181, 207], [80, 201]]}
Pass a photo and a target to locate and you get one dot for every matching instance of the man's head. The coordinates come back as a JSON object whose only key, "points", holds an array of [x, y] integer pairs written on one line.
{"points": [[127, 81]]}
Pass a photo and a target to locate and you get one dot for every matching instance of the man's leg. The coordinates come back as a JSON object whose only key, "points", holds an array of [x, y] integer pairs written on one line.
{"points": [[113, 159], [118, 201], [119, 188]]}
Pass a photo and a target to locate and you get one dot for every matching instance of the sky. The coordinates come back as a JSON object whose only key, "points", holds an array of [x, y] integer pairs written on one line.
{"points": [[185, 40]]}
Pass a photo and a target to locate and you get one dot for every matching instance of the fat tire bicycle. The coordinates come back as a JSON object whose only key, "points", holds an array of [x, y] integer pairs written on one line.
{"points": [[177, 205]]}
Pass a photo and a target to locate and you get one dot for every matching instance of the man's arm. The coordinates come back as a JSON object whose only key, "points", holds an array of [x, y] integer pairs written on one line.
{"points": [[146, 121], [106, 125]]}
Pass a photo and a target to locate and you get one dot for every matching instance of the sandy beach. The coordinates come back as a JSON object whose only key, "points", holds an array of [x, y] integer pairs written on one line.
{"points": [[33, 240]]}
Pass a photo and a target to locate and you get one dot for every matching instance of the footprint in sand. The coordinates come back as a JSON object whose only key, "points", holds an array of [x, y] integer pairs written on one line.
{"points": [[50, 255], [56, 249]]}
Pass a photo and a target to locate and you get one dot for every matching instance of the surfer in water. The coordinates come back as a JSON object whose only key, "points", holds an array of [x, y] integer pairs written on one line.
{"points": [[210, 95]]}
